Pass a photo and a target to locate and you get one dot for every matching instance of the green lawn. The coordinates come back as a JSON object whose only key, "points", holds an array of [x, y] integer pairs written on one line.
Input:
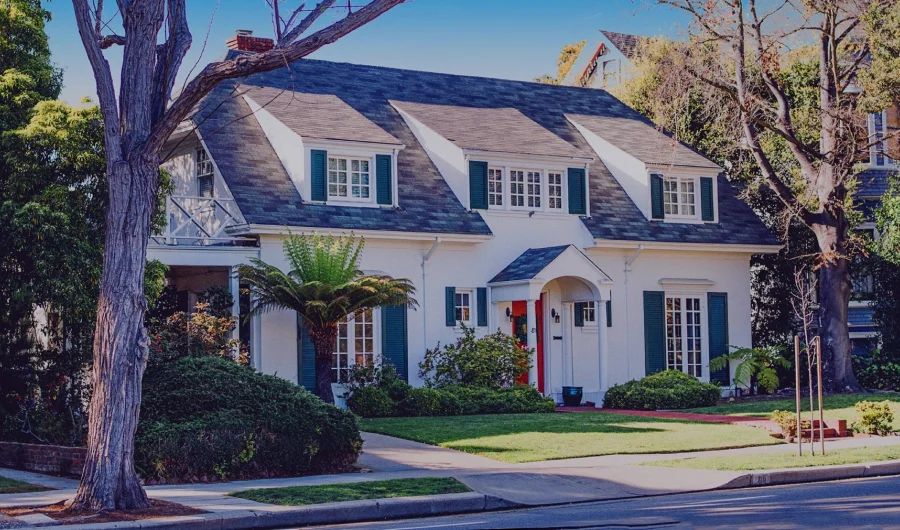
{"points": [[519, 438], [840, 407], [8, 485], [784, 460], [354, 491]]}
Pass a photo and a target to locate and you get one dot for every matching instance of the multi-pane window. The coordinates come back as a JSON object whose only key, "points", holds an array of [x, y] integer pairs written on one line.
{"points": [[517, 188], [589, 313], [348, 178], [533, 189], [355, 345], [463, 306], [204, 174], [680, 196], [684, 346], [495, 187], [877, 131], [554, 190]]}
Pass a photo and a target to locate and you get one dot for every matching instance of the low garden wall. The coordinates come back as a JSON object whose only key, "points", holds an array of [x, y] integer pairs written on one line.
{"points": [[43, 458]]}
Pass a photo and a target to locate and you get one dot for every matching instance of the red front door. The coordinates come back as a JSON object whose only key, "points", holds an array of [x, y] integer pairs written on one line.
{"points": [[520, 331]]}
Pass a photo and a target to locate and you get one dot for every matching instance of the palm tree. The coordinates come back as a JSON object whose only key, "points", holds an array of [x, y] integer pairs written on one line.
{"points": [[324, 286]]}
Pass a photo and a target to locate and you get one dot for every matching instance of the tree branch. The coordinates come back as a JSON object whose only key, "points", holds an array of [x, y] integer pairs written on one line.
{"points": [[305, 24], [169, 57], [248, 64], [108, 41]]}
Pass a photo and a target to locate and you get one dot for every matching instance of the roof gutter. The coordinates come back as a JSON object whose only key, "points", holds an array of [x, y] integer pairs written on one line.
{"points": [[262, 229], [700, 247]]}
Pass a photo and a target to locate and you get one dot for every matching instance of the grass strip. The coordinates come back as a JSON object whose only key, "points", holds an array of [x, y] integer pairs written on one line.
{"points": [[353, 491], [8, 485], [762, 461]]}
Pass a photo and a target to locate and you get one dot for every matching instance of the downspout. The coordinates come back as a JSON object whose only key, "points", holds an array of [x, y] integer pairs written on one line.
{"points": [[628, 264], [424, 304]]}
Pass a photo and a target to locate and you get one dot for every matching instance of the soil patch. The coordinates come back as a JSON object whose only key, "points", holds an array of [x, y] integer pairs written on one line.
{"points": [[60, 513]]}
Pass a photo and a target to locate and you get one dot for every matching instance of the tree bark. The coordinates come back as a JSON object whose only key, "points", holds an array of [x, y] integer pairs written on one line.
{"points": [[324, 340], [121, 345], [834, 330]]}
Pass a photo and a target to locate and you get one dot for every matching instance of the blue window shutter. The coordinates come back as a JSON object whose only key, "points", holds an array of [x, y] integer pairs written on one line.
{"points": [[306, 354], [318, 165], [717, 307], [577, 191], [657, 206], [481, 295], [450, 306], [394, 345], [478, 185], [707, 208], [383, 179], [579, 314], [609, 313], [654, 331]]}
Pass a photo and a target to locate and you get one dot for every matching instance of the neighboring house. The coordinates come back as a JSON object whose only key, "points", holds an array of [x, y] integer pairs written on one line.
{"points": [[606, 62], [554, 213]]}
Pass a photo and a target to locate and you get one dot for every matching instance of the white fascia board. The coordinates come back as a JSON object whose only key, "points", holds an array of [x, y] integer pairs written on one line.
{"points": [[629, 172], [449, 159], [687, 171], [368, 234], [287, 144], [363, 147], [175, 256], [700, 247], [535, 161]]}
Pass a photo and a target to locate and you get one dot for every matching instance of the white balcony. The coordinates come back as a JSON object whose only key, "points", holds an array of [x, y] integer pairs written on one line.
{"points": [[200, 222]]}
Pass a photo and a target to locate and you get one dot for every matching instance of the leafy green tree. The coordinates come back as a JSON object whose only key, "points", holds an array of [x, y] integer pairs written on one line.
{"points": [[567, 57], [324, 286]]}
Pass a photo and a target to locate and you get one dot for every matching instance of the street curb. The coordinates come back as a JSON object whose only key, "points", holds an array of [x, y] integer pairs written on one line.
{"points": [[331, 513], [813, 474]]}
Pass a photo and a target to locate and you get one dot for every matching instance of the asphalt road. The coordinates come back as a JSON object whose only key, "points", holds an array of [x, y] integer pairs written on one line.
{"points": [[860, 503]]}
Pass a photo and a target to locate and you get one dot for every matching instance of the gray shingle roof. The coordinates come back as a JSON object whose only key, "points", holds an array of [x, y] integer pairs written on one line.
{"points": [[501, 130], [322, 116], [874, 182], [265, 195], [624, 42], [642, 140], [529, 264]]}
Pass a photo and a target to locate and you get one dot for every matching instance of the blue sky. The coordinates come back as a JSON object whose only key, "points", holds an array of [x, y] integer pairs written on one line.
{"points": [[512, 39]]}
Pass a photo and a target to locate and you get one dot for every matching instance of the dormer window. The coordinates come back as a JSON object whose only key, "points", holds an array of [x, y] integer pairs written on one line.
{"points": [[682, 198], [204, 174], [348, 178], [496, 187]]}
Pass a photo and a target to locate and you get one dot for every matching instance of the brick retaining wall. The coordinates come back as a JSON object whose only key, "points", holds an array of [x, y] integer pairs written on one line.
{"points": [[43, 458]]}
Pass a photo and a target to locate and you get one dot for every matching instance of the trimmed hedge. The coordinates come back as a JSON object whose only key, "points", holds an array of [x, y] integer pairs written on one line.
{"points": [[210, 417], [399, 399], [666, 390]]}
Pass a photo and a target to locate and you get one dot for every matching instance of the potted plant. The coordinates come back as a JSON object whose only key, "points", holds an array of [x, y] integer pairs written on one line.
{"points": [[572, 395]]}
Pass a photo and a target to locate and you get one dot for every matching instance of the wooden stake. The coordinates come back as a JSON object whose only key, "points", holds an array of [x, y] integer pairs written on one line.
{"points": [[797, 393]]}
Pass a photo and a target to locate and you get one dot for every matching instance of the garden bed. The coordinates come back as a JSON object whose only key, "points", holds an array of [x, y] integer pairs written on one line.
{"points": [[64, 516]]}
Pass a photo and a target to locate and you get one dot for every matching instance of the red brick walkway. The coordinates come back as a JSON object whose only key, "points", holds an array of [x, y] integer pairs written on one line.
{"points": [[749, 421]]}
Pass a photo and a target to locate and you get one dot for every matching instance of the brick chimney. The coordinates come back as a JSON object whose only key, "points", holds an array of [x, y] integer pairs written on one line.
{"points": [[244, 41]]}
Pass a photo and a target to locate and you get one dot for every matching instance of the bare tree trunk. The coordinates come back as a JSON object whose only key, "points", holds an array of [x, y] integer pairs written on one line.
{"points": [[324, 341], [835, 286], [109, 481]]}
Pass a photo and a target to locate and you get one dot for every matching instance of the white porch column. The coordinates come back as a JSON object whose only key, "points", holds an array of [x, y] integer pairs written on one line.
{"points": [[603, 344], [234, 286], [531, 318]]}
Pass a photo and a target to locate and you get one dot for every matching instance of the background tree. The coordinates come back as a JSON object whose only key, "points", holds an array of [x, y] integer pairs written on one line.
{"points": [[739, 52], [324, 286], [138, 119], [567, 57]]}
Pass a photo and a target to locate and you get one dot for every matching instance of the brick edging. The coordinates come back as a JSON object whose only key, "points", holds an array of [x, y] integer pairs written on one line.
{"points": [[55, 459]]}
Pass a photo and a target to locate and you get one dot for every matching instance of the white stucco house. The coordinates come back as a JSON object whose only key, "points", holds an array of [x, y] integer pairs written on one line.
{"points": [[555, 213]]}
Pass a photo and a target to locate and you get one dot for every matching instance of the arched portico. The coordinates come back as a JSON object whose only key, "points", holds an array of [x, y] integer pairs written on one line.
{"points": [[548, 285]]}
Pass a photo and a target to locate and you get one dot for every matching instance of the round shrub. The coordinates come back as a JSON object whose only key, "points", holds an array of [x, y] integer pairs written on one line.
{"points": [[212, 417], [670, 389], [371, 402]]}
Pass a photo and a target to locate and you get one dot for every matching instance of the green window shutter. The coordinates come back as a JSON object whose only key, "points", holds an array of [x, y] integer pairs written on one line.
{"points": [[577, 191], [609, 313], [306, 361], [717, 307], [394, 344], [482, 306], [384, 192], [707, 209], [654, 331], [478, 185], [450, 305], [657, 206], [579, 314], [318, 165]]}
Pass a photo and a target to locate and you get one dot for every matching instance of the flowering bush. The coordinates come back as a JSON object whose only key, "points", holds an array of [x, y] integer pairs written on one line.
{"points": [[199, 334], [875, 418], [493, 361]]}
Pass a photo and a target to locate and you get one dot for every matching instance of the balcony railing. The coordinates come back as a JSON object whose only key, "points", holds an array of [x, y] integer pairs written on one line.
{"points": [[200, 221]]}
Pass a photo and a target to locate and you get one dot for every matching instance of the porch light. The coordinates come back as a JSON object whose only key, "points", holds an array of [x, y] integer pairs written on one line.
{"points": [[509, 314], [554, 315]]}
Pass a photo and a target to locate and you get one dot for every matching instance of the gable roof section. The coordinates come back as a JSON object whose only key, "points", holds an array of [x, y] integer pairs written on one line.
{"points": [[641, 139], [626, 43], [265, 194], [322, 116], [529, 264], [500, 130]]}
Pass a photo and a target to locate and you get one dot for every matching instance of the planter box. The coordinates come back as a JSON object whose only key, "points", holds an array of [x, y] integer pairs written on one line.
{"points": [[54, 459]]}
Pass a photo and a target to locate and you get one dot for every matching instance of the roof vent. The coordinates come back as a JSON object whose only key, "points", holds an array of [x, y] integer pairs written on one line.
{"points": [[244, 41]]}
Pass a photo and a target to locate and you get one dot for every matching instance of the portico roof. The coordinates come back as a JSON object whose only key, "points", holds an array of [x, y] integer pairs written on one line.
{"points": [[533, 261]]}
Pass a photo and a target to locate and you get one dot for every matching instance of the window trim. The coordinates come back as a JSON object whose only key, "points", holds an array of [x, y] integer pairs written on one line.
{"points": [[351, 344], [471, 322], [679, 179], [199, 161], [703, 315], [371, 199]]}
